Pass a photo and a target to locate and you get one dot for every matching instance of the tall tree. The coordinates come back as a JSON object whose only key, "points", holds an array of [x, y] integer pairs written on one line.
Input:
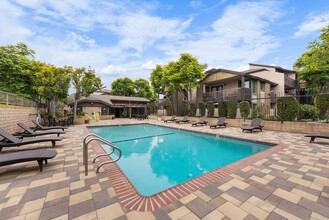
{"points": [[314, 64], [85, 83], [15, 62], [123, 86], [184, 75], [143, 89], [51, 83]]}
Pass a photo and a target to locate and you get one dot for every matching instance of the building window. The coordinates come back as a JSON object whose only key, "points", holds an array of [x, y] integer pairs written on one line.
{"points": [[262, 87], [247, 84], [254, 86]]}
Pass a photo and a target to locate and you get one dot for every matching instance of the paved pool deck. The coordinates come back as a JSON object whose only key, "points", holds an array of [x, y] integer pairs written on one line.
{"points": [[292, 183]]}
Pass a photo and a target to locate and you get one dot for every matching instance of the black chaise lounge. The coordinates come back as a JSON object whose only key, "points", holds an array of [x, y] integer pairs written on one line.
{"points": [[11, 141], [313, 136], [184, 120], [28, 132], [202, 121], [172, 119], [221, 122], [40, 127], [26, 156], [254, 125]]}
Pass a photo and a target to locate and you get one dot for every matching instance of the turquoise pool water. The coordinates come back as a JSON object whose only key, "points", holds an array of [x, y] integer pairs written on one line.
{"points": [[155, 158]]}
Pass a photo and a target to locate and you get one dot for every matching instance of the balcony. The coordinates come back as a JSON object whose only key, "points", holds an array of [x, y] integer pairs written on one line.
{"points": [[238, 94], [289, 82]]}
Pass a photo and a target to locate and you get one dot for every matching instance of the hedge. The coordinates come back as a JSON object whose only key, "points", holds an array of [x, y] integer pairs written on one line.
{"points": [[192, 109], [211, 109], [322, 102], [244, 109], [222, 109], [287, 108], [232, 109], [202, 109], [185, 109]]}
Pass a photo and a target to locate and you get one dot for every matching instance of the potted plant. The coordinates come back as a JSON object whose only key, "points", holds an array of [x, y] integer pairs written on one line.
{"points": [[80, 119]]}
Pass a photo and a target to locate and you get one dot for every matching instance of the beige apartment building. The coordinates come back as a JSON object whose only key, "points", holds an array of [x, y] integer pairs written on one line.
{"points": [[260, 85]]}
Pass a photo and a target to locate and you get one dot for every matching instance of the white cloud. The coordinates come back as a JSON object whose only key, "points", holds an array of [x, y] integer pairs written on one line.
{"points": [[195, 3], [112, 70], [240, 35], [313, 23], [150, 65]]}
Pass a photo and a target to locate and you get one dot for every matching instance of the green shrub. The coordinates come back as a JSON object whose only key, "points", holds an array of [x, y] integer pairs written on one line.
{"points": [[308, 111], [211, 109], [192, 109], [287, 108], [232, 109], [257, 113], [202, 109], [322, 103], [81, 114], [244, 109], [222, 109], [168, 107], [185, 109]]}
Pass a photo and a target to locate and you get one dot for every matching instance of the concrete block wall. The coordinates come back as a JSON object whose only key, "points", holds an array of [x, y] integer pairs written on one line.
{"points": [[10, 115]]}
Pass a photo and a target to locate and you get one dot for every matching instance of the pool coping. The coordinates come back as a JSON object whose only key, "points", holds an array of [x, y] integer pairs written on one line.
{"points": [[130, 198]]}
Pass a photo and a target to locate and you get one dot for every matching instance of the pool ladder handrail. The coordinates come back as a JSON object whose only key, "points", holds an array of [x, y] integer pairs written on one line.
{"points": [[85, 151]]}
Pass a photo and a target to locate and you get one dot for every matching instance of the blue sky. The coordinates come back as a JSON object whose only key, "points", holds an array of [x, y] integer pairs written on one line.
{"points": [[128, 38]]}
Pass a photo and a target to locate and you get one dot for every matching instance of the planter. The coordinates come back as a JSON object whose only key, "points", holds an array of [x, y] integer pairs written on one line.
{"points": [[79, 121]]}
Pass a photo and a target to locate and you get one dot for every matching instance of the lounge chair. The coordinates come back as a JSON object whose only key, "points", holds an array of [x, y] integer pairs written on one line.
{"points": [[254, 125], [11, 141], [28, 132], [313, 136], [202, 121], [172, 119], [184, 120], [26, 156], [40, 127], [221, 122]]}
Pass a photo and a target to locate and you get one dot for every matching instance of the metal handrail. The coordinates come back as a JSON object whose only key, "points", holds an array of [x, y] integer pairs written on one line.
{"points": [[85, 152]]}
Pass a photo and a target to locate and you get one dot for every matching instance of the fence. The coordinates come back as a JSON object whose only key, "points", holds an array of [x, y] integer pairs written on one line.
{"points": [[11, 99]]}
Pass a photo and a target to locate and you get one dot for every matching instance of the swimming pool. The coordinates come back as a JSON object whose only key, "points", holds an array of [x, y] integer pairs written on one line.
{"points": [[155, 158]]}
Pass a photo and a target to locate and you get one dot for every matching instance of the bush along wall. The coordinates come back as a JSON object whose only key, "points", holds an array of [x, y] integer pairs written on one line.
{"points": [[287, 108], [192, 109], [222, 110], [202, 109], [232, 109], [322, 103], [244, 109], [211, 109], [168, 107], [185, 109]]}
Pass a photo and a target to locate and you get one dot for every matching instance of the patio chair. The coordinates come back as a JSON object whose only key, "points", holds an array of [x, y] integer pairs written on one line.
{"points": [[202, 121], [254, 125], [26, 156], [40, 127], [11, 141], [184, 120], [28, 132], [221, 122], [313, 136], [171, 119]]}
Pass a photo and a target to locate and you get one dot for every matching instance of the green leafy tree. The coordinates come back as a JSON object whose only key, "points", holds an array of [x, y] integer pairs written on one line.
{"points": [[50, 83], [314, 64], [123, 87], [157, 80], [85, 83], [143, 89], [232, 109], [15, 63], [287, 108]]}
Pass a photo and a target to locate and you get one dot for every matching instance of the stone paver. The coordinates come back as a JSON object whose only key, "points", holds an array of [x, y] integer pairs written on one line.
{"points": [[291, 183]]}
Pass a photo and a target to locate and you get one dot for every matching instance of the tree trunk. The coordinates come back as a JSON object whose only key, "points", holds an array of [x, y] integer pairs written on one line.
{"points": [[52, 107], [75, 108]]}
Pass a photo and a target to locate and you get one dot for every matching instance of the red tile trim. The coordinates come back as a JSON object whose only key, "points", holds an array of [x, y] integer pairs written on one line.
{"points": [[130, 198]]}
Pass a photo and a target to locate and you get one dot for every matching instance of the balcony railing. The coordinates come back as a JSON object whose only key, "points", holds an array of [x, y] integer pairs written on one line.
{"points": [[11, 99], [238, 94], [289, 82]]}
